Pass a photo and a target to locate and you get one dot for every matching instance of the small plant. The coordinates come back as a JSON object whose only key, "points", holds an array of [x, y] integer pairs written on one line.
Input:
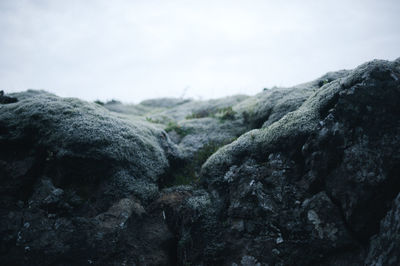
{"points": [[323, 82], [246, 117], [226, 113], [99, 102], [173, 126], [155, 121], [189, 172], [200, 114]]}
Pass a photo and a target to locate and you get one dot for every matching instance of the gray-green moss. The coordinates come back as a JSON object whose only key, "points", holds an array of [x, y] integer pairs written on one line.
{"points": [[188, 172], [293, 126], [75, 133]]}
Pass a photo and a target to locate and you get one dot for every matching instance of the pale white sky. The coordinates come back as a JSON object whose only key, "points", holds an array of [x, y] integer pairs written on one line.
{"points": [[135, 50]]}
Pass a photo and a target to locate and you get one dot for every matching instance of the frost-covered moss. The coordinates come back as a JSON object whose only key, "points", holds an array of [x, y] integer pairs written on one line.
{"points": [[287, 130], [188, 172], [85, 140]]}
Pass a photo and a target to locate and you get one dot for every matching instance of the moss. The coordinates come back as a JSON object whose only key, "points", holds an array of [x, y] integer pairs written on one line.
{"points": [[189, 173], [226, 113], [248, 115], [201, 114], [173, 126], [152, 120], [323, 82], [90, 141], [291, 128]]}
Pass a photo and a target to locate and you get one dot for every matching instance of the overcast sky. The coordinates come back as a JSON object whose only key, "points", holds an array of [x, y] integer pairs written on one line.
{"points": [[135, 50]]}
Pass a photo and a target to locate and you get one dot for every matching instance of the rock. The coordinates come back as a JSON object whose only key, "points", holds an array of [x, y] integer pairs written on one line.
{"points": [[306, 175], [384, 248], [7, 99], [338, 142], [75, 168]]}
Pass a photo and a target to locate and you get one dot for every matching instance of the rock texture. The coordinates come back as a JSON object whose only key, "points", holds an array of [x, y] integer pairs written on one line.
{"points": [[73, 176], [307, 175]]}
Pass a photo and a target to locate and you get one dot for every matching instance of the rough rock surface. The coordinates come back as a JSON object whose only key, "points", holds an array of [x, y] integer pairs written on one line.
{"points": [[73, 176], [307, 175]]}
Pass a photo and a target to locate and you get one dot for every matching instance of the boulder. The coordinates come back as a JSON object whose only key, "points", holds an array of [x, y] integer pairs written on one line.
{"points": [[338, 152], [73, 177]]}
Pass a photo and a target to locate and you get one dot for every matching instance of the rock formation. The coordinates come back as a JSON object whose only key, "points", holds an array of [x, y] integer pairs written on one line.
{"points": [[307, 175]]}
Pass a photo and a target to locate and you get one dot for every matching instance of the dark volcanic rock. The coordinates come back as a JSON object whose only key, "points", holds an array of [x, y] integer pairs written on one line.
{"points": [[384, 248], [72, 175], [310, 176], [338, 152], [6, 99]]}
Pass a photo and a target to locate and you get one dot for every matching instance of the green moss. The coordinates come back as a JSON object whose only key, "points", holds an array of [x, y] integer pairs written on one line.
{"points": [[323, 82], [173, 126], [200, 114], [226, 113], [189, 173], [155, 121], [248, 115]]}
